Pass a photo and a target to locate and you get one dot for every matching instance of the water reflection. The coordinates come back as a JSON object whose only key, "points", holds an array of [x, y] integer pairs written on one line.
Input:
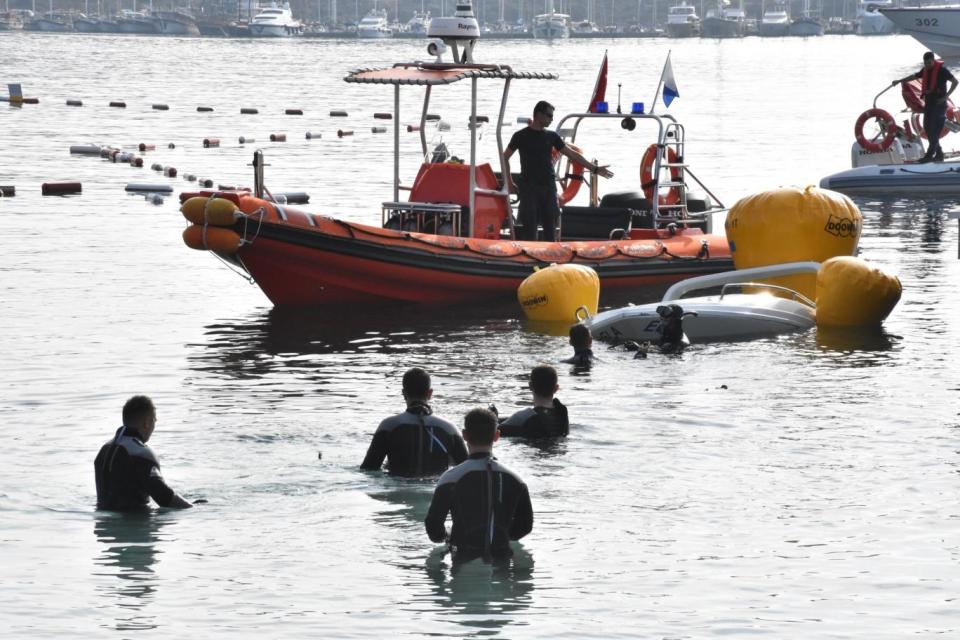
{"points": [[130, 549], [406, 502]]}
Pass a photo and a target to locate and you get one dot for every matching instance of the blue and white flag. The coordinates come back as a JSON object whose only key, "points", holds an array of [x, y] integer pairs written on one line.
{"points": [[669, 83]]}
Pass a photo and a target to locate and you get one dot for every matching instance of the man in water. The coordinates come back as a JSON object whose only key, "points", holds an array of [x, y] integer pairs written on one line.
{"points": [[582, 342], [933, 85], [538, 184], [416, 443], [127, 472], [547, 418], [490, 504]]}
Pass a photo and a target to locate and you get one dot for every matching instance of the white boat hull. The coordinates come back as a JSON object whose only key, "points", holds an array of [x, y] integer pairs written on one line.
{"points": [[740, 316], [374, 34], [938, 29], [934, 178], [273, 31]]}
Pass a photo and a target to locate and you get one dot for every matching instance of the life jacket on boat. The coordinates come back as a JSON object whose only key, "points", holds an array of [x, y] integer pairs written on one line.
{"points": [[928, 80]]}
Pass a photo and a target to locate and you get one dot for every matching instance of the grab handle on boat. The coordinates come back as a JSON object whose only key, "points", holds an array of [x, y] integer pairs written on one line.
{"points": [[877, 97], [582, 314]]}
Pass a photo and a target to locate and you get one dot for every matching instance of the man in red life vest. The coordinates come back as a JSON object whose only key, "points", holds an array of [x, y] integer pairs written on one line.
{"points": [[933, 78]]}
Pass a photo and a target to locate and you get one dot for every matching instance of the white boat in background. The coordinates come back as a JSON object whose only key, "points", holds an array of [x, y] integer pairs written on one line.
{"points": [[870, 20], [732, 315], [551, 25], [683, 21], [176, 22], [275, 21], [775, 22], [724, 22], [419, 23], [937, 28], [375, 25], [807, 24]]}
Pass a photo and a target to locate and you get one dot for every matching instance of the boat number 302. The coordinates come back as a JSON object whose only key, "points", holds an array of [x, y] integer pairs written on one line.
{"points": [[927, 22]]}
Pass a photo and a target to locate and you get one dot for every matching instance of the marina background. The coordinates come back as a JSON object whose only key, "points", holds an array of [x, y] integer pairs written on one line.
{"points": [[797, 487]]}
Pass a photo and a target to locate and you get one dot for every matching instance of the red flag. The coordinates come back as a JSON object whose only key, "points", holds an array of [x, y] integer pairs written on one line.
{"points": [[600, 89]]}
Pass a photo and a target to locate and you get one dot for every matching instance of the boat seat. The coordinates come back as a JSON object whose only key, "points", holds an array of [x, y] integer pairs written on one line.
{"points": [[594, 223]]}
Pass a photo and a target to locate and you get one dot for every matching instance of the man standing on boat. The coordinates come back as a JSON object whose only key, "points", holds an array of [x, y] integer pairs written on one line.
{"points": [[538, 181], [933, 78]]}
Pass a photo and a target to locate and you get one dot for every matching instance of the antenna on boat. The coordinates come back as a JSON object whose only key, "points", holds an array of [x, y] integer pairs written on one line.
{"points": [[459, 33], [258, 187], [619, 84]]}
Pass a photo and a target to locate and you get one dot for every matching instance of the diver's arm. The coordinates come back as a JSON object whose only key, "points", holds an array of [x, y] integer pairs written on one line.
{"points": [[508, 176], [912, 76], [522, 523], [436, 521], [162, 494], [377, 451]]}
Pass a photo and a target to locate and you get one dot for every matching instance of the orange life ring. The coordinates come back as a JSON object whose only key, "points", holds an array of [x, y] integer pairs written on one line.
{"points": [[918, 126], [647, 181], [571, 181], [887, 125]]}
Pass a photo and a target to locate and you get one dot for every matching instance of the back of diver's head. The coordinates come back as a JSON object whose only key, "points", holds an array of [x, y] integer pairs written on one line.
{"points": [[480, 427], [580, 337], [416, 384], [137, 409], [543, 380]]}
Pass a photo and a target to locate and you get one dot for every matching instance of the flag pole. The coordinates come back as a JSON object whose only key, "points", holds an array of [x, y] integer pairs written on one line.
{"points": [[653, 105]]}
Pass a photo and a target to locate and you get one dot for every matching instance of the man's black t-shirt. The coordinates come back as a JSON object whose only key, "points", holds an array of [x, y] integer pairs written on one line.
{"points": [[536, 165]]}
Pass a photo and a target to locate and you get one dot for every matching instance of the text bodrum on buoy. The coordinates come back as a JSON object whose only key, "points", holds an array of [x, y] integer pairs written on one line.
{"points": [[554, 293], [851, 293], [792, 225]]}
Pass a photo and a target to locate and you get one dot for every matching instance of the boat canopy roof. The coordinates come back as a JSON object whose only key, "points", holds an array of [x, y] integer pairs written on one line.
{"points": [[426, 73]]}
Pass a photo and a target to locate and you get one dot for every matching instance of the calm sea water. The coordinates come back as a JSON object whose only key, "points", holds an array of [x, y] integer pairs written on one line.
{"points": [[804, 486]]}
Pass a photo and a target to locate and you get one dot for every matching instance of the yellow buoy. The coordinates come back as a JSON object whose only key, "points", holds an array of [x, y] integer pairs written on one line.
{"points": [[793, 225], [216, 239], [219, 212], [554, 293], [851, 293]]}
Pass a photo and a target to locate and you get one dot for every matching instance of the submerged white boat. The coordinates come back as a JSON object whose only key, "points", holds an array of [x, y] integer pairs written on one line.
{"points": [[729, 316], [937, 28]]}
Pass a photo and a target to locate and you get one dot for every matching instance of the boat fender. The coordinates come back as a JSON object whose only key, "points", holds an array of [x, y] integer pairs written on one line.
{"points": [[160, 107], [136, 161], [432, 117], [571, 181], [107, 152], [378, 129], [647, 181], [278, 137], [74, 103], [170, 172], [206, 183], [413, 127], [118, 104], [85, 149], [313, 136], [170, 145], [146, 146], [792, 225], [383, 116], [851, 293], [218, 212], [189, 177], [60, 188], [555, 293], [211, 142], [217, 239], [204, 109], [7, 191], [337, 113], [142, 187], [154, 198], [156, 166], [293, 112], [294, 197], [248, 111], [344, 132], [887, 125], [245, 140]]}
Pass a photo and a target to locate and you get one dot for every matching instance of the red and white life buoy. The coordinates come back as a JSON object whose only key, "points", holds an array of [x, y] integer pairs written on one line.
{"points": [[647, 181], [570, 181], [917, 123], [887, 125]]}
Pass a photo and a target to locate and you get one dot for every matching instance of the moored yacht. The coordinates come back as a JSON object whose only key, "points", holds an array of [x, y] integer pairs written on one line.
{"points": [[775, 22], [375, 25], [13, 20], [177, 22], [275, 21], [683, 21], [724, 22], [419, 23], [135, 22], [551, 25], [870, 20]]}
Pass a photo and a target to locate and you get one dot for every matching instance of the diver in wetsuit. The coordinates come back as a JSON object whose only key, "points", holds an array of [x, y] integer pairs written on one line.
{"points": [[415, 442], [582, 342], [547, 418], [489, 503], [127, 472]]}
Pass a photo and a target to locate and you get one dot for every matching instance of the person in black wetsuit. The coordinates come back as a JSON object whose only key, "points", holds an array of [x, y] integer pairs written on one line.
{"points": [[547, 418], [538, 181], [127, 472], [933, 84], [415, 442], [489, 503], [582, 342]]}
